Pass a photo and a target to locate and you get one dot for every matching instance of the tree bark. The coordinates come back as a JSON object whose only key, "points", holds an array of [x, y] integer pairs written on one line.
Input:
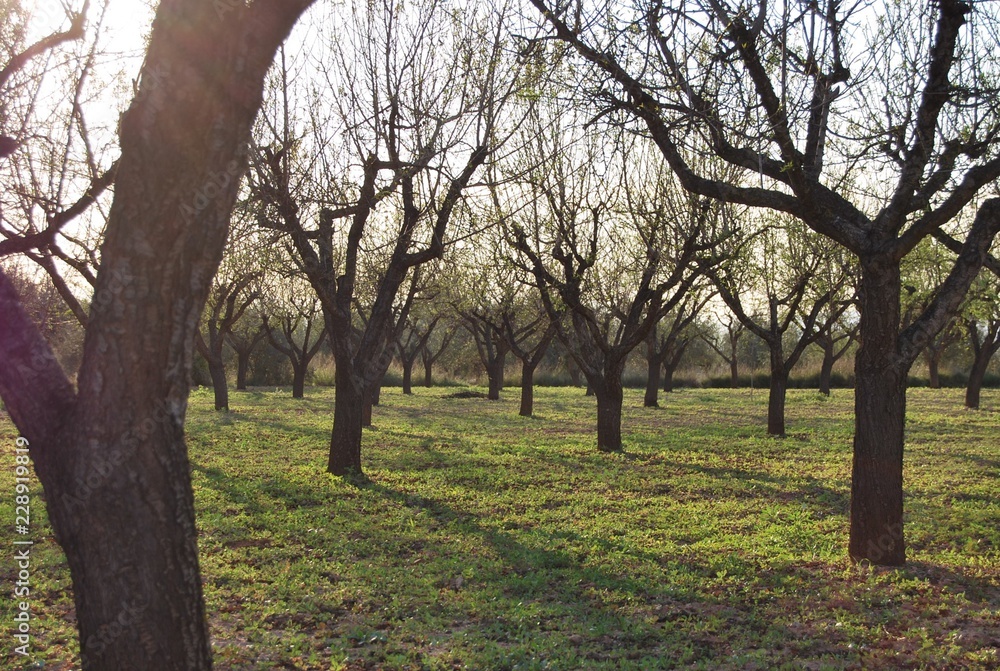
{"points": [[428, 380], [408, 376], [668, 377], [218, 372], [242, 366], [299, 380], [776, 402], [826, 370], [976, 375], [876, 528], [494, 371], [933, 366], [734, 373], [609, 413], [650, 400], [527, 390], [345, 443]]}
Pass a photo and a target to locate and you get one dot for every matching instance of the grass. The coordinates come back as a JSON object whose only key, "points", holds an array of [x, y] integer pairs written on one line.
{"points": [[483, 540]]}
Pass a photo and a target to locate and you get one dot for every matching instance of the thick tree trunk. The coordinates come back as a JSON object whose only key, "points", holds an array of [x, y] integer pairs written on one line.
{"points": [[590, 389], [494, 371], [348, 409], [876, 530], [776, 401], [650, 400], [408, 376], [218, 372], [976, 375], [527, 390], [609, 413], [299, 380], [826, 371], [734, 373], [116, 472], [242, 366]]}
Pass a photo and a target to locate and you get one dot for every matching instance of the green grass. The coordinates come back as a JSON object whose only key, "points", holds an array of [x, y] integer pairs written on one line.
{"points": [[484, 540]]}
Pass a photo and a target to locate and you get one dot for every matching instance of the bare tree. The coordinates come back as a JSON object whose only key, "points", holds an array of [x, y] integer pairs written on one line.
{"points": [[300, 329], [876, 156], [110, 453], [734, 331], [607, 270], [402, 145], [779, 264], [667, 341]]}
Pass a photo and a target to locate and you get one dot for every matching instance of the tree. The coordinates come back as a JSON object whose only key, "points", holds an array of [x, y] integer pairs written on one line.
{"points": [[228, 301], [244, 338], [414, 122], [780, 263], [432, 351], [110, 453], [299, 322], [605, 299], [767, 88], [734, 331], [982, 323], [665, 346]]}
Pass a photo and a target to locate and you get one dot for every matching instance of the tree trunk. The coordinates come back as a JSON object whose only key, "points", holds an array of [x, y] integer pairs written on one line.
{"points": [[609, 413], [494, 371], [933, 365], [242, 366], [876, 530], [527, 390], [408, 376], [826, 371], [428, 365], [976, 375], [348, 408], [299, 380], [734, 373], [590, 389], [218, 372], [668, 378], [652, 382], [776, 401]]}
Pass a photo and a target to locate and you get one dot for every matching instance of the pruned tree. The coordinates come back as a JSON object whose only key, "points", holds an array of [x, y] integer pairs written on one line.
{"points": [[771, 283], [607, 270], [431, 352], [981, 315], [876, 153], [414, 120], [293, 324], [232, 294], [667, 341], [110, 452], [727, 349]]}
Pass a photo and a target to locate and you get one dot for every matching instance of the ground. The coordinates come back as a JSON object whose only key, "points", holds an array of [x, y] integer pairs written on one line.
{"points": [[483, 540]]}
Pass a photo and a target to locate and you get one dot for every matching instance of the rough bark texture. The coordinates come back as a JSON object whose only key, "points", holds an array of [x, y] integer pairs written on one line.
{"points": [[112, 459], [408, 376], [345, 443], [880, 410], [609, 413]]}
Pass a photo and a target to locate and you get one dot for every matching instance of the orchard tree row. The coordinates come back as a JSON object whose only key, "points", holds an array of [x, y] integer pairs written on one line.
{"points": [[596, 175]]}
